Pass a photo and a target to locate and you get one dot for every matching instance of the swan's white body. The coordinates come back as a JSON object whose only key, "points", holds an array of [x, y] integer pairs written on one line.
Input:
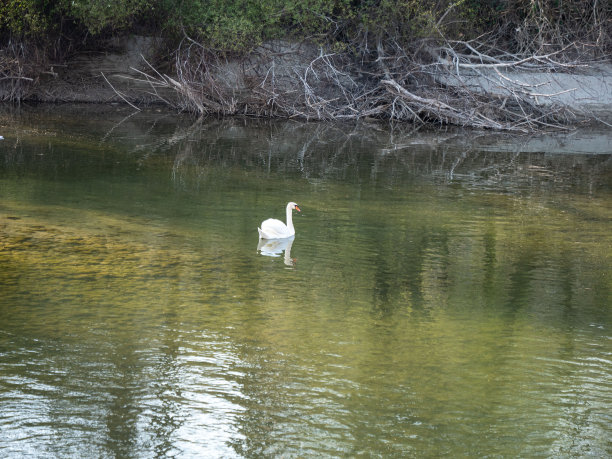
{"points": [[275, 229]]}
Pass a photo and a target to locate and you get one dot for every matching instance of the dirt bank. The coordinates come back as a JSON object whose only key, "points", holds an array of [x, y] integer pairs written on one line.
{"points": [[300, 80], [104, 76]]}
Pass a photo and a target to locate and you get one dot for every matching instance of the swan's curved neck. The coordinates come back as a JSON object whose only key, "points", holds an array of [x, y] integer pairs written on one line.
{"points": [[290, 218]]}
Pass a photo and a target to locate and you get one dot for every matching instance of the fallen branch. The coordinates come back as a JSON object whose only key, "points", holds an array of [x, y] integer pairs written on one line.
{"points": [[118, 93]]}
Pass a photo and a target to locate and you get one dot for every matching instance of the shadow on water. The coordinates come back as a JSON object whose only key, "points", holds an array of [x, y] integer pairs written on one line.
{"points": [[362, 152]]}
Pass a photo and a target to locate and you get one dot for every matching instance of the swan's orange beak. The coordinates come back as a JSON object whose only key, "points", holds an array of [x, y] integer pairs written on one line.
{"points": [[297, 208]]}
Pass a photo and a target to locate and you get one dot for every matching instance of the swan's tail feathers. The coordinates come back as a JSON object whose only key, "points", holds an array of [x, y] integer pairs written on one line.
{"points": [[260, 233]]}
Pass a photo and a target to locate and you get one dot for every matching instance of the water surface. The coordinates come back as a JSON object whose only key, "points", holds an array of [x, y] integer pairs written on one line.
{"points": [[447, 292]]}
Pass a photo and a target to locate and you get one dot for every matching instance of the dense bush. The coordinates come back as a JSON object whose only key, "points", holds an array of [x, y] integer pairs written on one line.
{"points": [[22, 19], [225, 25], [238, 25]]}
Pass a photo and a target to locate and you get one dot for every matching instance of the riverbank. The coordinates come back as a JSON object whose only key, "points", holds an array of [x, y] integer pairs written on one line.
{"points": [[300, 80]]}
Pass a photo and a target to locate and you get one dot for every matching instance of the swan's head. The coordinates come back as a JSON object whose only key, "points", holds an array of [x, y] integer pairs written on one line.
{"points": [[293, 205]]}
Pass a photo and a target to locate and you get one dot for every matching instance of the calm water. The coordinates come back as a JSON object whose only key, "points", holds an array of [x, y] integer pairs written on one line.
{"points": [[447, 292]]}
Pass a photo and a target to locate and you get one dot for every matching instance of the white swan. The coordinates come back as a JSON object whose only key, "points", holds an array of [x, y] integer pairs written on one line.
{"points": [[275, 229]]}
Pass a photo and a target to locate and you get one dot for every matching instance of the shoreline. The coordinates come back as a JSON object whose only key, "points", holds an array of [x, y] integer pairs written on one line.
{"points": [[122, 74]]}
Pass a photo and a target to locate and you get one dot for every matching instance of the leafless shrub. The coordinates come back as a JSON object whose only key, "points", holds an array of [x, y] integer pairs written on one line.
{"points": [[17, 67], [550, 24]]}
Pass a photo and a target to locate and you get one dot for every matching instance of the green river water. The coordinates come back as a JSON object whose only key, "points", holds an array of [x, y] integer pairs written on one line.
{"points": [[447, 293]]}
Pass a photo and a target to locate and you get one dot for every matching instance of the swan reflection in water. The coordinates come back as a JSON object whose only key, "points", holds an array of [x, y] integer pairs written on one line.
{"points": [[275, 247]]}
